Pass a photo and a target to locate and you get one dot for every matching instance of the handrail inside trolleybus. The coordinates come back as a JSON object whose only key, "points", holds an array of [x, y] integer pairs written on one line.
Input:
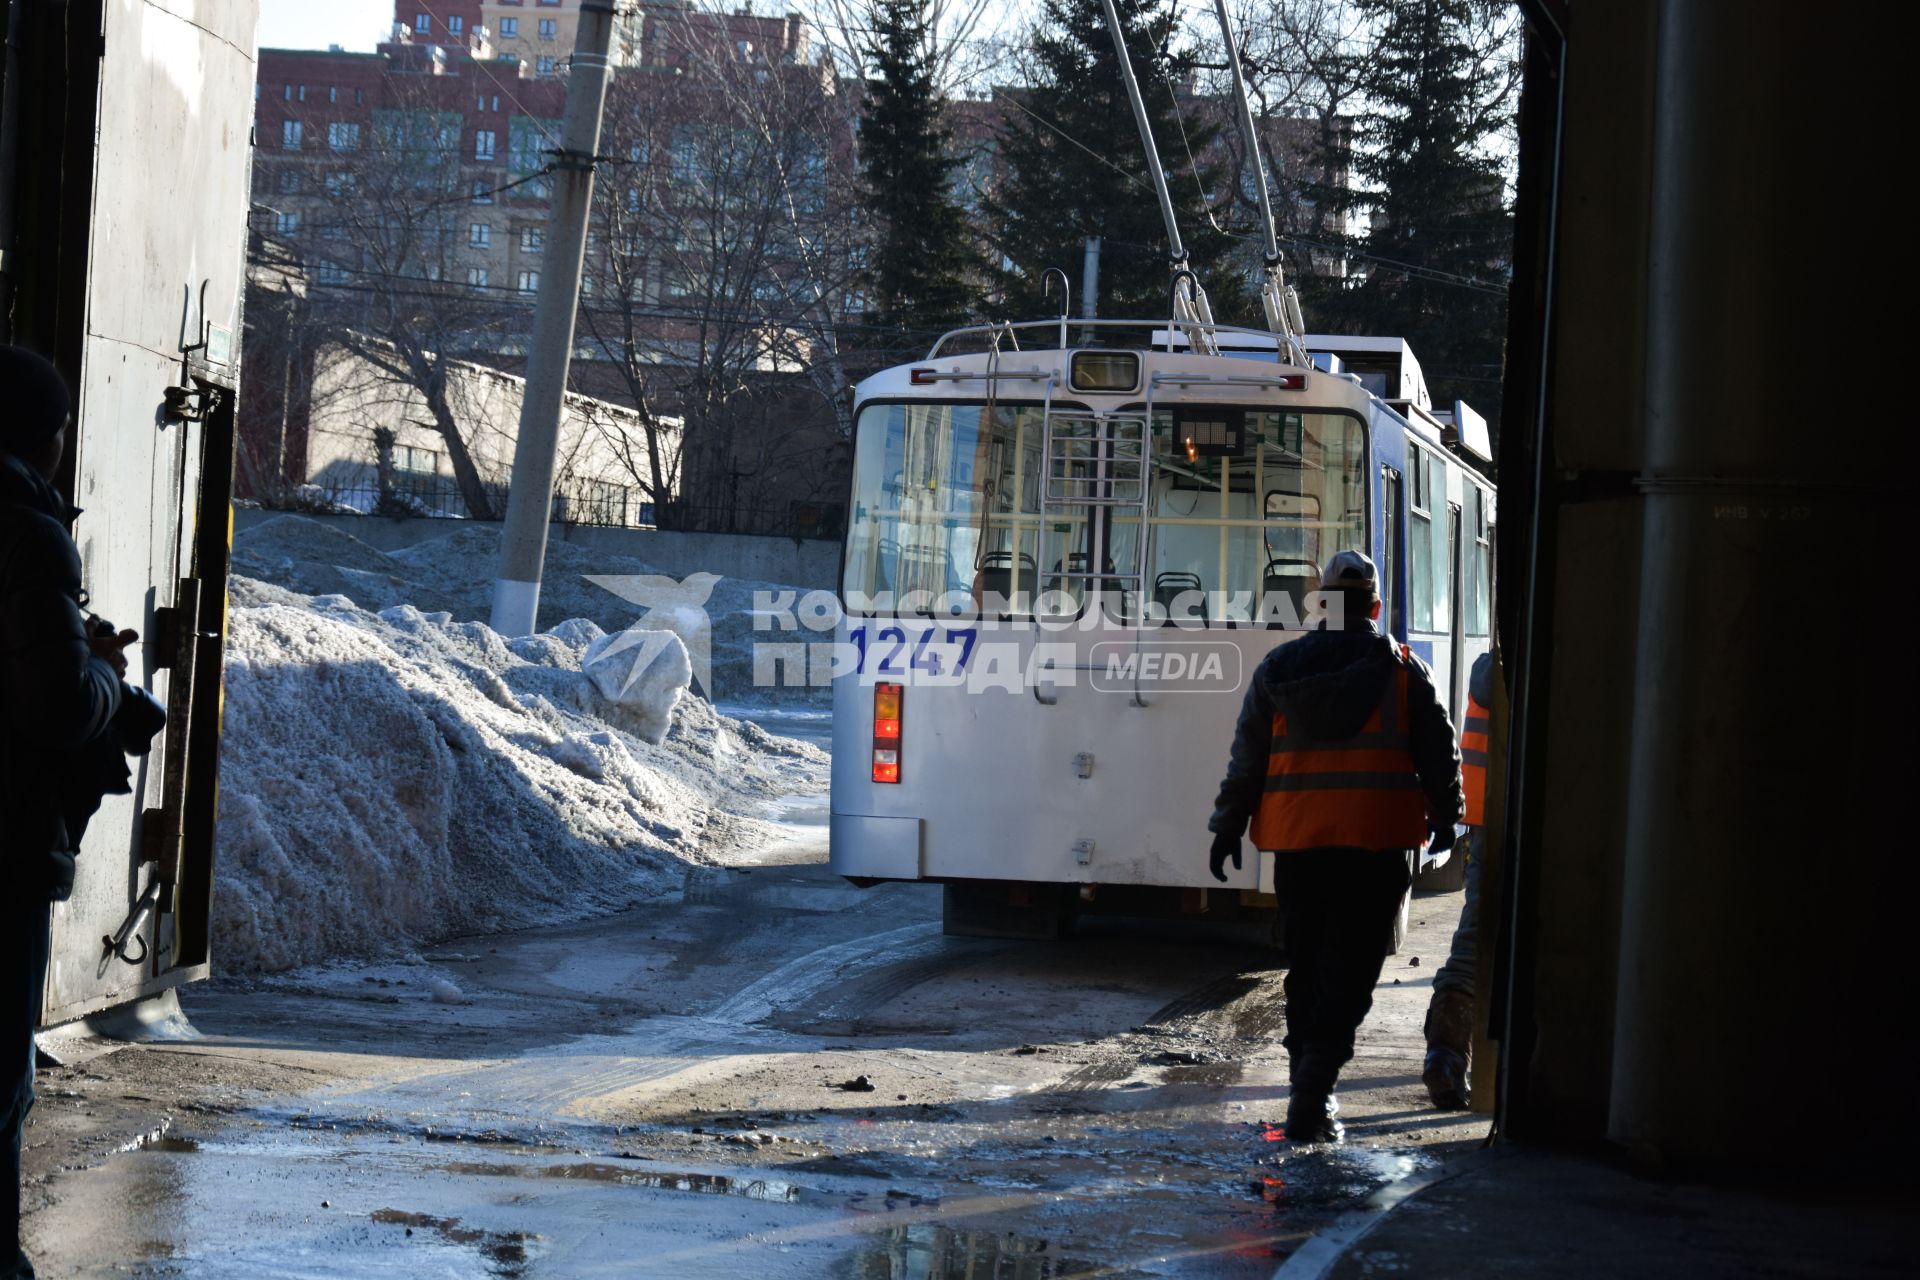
{"points": [[1164, 330]]}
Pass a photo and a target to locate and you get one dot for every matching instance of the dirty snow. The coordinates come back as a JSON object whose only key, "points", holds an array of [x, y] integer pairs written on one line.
{"points": [[396, 777]]}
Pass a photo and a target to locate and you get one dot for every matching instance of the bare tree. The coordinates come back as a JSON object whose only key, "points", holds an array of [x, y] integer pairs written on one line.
{"points": [[1310, 60], [724, 254], [1305, 60], [385, 259], [968, 40]]}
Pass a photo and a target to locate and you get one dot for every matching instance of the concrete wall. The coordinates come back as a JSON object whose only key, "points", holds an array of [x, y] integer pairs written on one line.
{"points": [[809, 563], [600, 443]]}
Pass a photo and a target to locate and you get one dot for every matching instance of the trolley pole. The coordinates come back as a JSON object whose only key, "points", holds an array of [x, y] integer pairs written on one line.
{"points": [[523, 538]]}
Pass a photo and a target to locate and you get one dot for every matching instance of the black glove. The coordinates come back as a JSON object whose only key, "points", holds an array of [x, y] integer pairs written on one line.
{"points": [[1226, 844], [1442, 839]]}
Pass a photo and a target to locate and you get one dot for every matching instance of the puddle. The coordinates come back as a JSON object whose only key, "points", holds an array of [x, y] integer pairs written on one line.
{"points": [[160, 1139], [1333, 1179], [868, 1202], [768, 1190], [925, 1251], [505, 1251], [171, 1142]]}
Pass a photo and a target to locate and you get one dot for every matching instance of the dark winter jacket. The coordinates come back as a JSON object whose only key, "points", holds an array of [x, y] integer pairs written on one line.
{"points": [[56, 699], [1329, 682]]}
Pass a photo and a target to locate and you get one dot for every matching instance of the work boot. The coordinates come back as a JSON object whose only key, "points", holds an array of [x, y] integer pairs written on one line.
{"points": [[1310, 1117], [1449, 1049]]}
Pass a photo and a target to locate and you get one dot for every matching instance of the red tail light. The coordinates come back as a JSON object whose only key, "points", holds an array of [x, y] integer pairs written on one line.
{"points": [[887, 705]]}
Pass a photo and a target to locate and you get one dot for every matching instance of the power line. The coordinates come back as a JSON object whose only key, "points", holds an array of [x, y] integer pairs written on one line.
{"points": [[1076, 142], [1409, 269], [421, 289]]}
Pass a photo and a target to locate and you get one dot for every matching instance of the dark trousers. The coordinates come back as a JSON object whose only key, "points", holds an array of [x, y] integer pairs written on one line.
{"points": [[24, 936], [1337, 906]]}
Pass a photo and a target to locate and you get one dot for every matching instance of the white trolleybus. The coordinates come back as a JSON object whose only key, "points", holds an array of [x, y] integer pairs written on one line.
{"points": [[1069, 544]]}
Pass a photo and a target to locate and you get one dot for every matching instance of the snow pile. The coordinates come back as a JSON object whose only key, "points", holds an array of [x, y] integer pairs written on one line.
{"points": [[390, 779], [454, 574], [640, 675]]}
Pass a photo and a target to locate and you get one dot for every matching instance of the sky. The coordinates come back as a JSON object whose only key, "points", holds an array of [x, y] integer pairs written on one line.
{"points": [[305, 24]]}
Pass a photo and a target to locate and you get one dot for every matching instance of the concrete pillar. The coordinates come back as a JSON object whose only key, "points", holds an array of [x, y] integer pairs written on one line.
{"points": [[1761, 896]]}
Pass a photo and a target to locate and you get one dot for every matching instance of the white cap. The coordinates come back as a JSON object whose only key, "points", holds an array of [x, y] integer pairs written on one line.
{"points": [[1350, 569]]}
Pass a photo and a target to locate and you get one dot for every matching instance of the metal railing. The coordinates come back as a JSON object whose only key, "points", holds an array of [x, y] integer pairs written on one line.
{"points": [[597, 503], [438, 497], [1059, 333]]}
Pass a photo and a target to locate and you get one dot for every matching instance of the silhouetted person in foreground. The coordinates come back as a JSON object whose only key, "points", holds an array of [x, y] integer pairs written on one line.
{"points": [[1344, 762], [60, 691]]}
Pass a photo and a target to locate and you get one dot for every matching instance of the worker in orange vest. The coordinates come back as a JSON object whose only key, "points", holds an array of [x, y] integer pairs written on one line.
{"points": [[1450, 1013], [1344, 763]]}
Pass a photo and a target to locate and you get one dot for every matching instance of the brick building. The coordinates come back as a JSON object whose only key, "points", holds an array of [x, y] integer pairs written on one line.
{"points": [[323, 117], [721, 288], [422, 161]]}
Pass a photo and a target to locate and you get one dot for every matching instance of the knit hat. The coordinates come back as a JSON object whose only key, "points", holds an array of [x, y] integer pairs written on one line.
{"points": [[34, 401]]}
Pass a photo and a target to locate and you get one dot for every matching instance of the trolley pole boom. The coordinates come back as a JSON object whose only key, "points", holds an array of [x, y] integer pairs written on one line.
{"points": [[1178, 249], [1274, 294], [1194, 302]]}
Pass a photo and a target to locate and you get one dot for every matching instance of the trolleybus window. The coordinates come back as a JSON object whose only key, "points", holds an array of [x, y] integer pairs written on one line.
{"points": [[947, 502], [1258, 512], [1429, 567], [1479, 563]]}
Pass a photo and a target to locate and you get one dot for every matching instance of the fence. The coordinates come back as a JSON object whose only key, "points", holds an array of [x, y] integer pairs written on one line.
{"points": [[797, 519], [596, 503]]}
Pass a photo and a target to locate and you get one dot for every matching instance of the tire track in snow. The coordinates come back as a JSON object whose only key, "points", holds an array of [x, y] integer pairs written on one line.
{"points": [[802, 977], [560, 1078]]}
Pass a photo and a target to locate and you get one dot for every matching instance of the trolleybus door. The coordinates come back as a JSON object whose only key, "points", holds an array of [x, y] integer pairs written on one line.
{"points": [[1392, 534], [1456, 686]]}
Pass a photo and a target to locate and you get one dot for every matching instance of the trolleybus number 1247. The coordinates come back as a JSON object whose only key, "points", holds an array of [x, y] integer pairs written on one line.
{"points": [[889, 648]]}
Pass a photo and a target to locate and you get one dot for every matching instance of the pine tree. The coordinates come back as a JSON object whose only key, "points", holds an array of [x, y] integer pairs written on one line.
{"points": [[924, 267], [1439, 239], [1074, 166]]}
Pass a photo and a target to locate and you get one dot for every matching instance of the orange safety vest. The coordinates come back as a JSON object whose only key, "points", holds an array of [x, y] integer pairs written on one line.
{"points": [[1473, 760], [1359, 793]]}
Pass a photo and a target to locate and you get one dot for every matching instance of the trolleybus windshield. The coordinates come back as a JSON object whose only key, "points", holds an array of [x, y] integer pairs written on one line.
{"points": [[948, 506]]}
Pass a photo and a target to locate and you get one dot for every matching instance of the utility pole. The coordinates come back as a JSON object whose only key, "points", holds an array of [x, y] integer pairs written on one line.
{"points": [[1090, 279], [523, 538]]}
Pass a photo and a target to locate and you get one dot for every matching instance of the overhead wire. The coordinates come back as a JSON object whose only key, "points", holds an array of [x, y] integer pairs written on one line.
{"points": [[423, 287], [1063, 134]]}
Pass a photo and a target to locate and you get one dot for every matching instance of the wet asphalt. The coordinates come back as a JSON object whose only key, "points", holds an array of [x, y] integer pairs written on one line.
{"points": [[780, 1075]]}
